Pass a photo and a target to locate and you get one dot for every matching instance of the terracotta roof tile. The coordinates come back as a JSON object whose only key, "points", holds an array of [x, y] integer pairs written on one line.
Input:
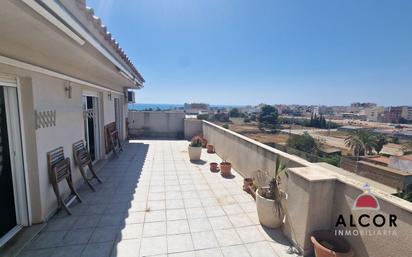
{"points": [[108, 36]]}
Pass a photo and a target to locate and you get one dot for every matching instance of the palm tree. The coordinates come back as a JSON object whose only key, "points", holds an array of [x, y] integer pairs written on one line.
{"points": [[369, 140], [361, 142], [355, 143]]}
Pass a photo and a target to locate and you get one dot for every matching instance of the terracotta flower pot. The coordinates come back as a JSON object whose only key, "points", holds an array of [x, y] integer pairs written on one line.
{"points": [[225, 168], [326, 244], [210, 149], [204, 142], [214, 167], [194, 153]]}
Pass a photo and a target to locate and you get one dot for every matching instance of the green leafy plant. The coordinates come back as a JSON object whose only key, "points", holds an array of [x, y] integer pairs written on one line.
{"points": [[381, 140], [405, 194], [196, 142], [333, 160], [304, 142]]}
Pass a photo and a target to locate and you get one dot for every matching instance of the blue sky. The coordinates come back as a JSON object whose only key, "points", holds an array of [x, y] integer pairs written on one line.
{"points": [[329, 52]]}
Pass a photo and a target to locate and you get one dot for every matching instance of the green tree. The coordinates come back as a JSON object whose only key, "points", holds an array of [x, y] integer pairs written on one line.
{"points": [[268, 116], [234, 113], [380, 142], [304, 142]]}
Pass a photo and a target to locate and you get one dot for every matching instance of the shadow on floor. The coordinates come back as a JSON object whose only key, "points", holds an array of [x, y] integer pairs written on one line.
{"points": [[96, 224]]}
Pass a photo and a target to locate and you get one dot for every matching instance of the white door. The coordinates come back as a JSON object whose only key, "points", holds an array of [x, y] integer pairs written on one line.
{"points": [[13, 201]]}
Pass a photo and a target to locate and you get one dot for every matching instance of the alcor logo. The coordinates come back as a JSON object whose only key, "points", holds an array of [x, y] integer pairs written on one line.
{"points": [[364, 208], [366, 201]]}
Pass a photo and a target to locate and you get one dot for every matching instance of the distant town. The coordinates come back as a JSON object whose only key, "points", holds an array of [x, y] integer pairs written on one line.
{"points": [[370, 112], [364, 138]]}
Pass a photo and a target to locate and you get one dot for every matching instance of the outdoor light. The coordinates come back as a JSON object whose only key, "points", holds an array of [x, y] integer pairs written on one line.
{"points": [[68, 89], [109, 95]]}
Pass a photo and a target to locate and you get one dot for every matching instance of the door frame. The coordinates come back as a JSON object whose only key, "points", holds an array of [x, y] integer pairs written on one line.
{"points": [[17, 146], [118, 119], [97, 126]]}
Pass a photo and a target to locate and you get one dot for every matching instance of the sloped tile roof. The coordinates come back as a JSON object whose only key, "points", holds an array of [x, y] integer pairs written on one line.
{"points": [[108, 36]]}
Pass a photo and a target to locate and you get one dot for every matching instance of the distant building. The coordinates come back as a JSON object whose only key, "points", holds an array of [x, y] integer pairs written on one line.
{"points": [[403, 163], [407, 113], [363, 105], [353, 116], [393, 114], [316, 111], [374, 114], [196, 108]]}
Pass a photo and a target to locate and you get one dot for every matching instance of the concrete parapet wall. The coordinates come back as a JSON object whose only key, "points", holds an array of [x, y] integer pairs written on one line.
{"points": [[245, 154], [345, 194], [156, 124], [192, 127], [317, 196]]}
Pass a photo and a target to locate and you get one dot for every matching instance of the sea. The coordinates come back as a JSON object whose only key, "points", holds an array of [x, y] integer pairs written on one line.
{"points": [[142, 106]]}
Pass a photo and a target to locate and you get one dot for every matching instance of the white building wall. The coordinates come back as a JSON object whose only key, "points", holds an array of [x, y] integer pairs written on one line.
{"points": [[49, 94], [108, 108]]}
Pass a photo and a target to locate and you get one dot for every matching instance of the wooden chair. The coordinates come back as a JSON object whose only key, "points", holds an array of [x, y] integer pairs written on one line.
{"points": [[115, 142], [83, 159], [59, 169]]}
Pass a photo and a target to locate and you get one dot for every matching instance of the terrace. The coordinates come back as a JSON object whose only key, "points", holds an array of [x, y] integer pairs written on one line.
{"points": [[155, 202]]}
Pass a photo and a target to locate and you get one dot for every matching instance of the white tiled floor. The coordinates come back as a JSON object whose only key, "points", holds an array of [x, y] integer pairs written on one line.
{"points": [[155, 202]]}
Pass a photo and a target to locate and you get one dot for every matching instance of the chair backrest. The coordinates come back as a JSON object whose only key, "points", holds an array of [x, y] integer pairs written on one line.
{"points": [[80, 153], [54, 156], [78, 146], [58, 166]]}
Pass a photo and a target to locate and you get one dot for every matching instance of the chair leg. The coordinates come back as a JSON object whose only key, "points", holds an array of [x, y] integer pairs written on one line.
{"points": [[86, 179], [115, 152], [65, 207], [94, 173], [60, 202], [120, 145], [72, 189]]}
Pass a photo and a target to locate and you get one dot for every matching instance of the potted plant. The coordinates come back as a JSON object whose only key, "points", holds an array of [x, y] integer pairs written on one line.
{"points": [[195, 148], [204, 140], [269, 197], [327, 244], [214, 167], [225, 168]]}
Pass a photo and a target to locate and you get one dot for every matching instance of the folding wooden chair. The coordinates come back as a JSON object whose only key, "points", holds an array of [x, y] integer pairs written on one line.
{"points": [[59, 169], [115, 142], [83, 159]]}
